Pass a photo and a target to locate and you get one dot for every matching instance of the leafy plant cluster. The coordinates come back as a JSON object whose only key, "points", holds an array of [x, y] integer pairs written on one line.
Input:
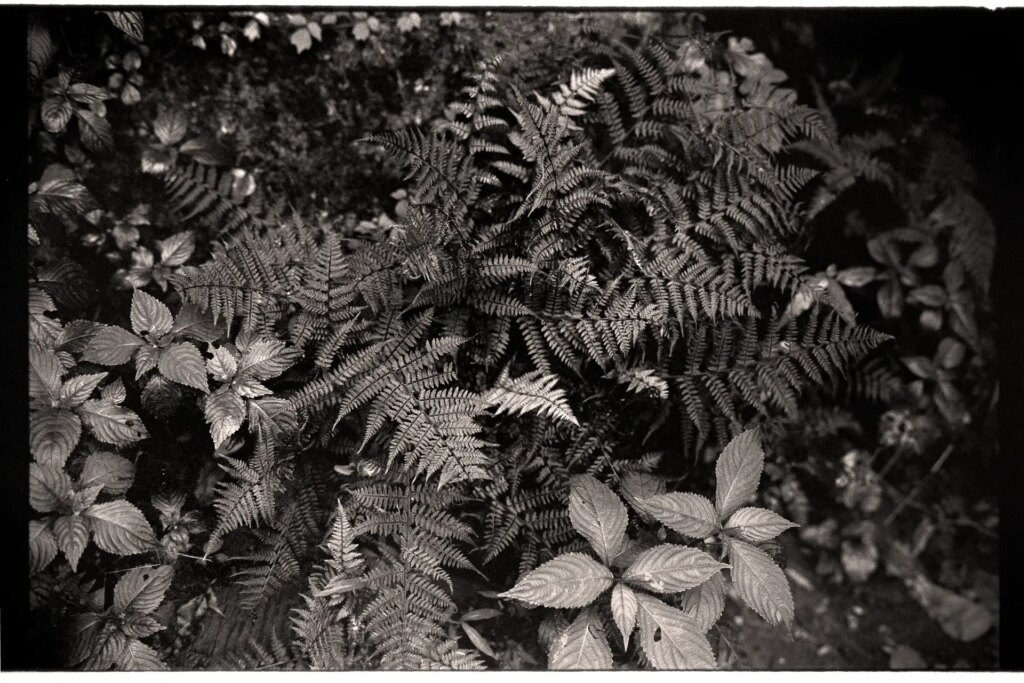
{"points": [[595, 281]]}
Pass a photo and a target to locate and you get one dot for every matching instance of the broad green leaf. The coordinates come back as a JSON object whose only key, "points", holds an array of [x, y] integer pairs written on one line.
{"points": [[706, 602], [182, 363], [170, 126], [738, 472], [150, 315], [72, 534], [638, 487], [225, 413], [111, 345], [109, 471], [111, 423], [669, 568], [120, 528], [53, 435], [137, 656], [761, 583], [624, 605], [267, 358], [42, 546], [691, 515], [571, 580], [142, 589], [78, 388], [582, 646], [44, 373], [598, 515], [49, 487], [756, 525], [671, 639]]}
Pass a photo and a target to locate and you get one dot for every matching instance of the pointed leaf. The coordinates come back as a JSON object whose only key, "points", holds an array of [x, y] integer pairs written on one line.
{"points": [[571, 580], [671, 639], [223, 365], [53, 435], [142, 589], [137, 656], [109, 471], [225, 413], [624, 605], [706, 602], [738, 472], [72, 534], [598, 515], [95, 131], [44, 373], [42, 546], [177, 249], [194, 324], [267, 358], [49, 487], [582, 645], [136, 625], [638, 487], [115, 392], [111, 423], [80, 387], [669, 568], [761, 583], [150, 315], [479, 642], [756, 525], [170, 126], [128, 22], [691, 515], [120, 528], [182, 363], [111, 345]]}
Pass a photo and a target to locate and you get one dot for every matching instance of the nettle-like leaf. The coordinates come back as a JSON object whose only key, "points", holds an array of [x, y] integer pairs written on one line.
{"points": [[624, 604], [738, 472], [598, 515], [225, 413], [42, 545], [638, 488], [149, 315], [120, 528], [142, 589], [761, 583], [53, 435], [111, 345], [670, 638], [570, 580], [706, 602], [72, 534], [109, 471], [583, 645], [182, 362], [757, 525], [111, 423], [689, 514], [670, 568], [49, 487]]}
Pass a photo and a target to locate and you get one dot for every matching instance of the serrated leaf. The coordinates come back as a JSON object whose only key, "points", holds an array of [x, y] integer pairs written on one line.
{"points": [[72, 535], [150, 315], [109, 471], [80, 387], [691, 515], [42, 546], [120, 528], [582, 645], [44, 373], [706, 602], [49, 487], [95, 131], [247, 387], [177, 249], [182, 363], [670, 568], [136, 625], [223, 365], [111, 423], [756, 525], [571, 580], [273, 416], [86, 93], [142, 589], [671, 639], [267, 358], [130, 23], [761, 583], [55, 113], [598, 515], [170, 126], [137, 656], [111, 345], [638, 487], [624, 604], [194, 324], [114, 392], [738, 472], [225, 413], [53, 435], [146, 359]]}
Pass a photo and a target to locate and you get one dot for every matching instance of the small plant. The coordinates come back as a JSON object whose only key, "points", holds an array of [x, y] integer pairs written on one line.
{"points": [[635, 569]]}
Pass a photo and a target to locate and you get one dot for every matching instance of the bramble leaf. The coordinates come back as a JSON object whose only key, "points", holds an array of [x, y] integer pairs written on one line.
{"points": [[571, 580], [598, 515]]}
